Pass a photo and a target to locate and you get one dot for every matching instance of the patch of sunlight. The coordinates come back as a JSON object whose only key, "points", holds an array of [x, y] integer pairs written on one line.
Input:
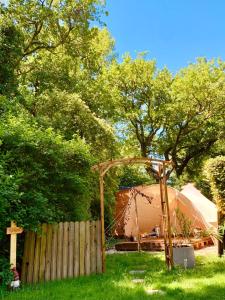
{"points": [[195, 283], [127, 283]]}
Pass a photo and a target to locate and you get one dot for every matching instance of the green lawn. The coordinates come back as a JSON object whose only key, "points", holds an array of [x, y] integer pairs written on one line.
{"points": [[206, 281]]}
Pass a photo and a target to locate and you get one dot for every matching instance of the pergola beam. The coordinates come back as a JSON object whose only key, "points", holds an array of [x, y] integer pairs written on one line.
{"points": [[126, 161]]}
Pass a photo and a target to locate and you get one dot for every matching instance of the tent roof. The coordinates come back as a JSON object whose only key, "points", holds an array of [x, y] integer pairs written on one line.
{"points": [[205, 206]]}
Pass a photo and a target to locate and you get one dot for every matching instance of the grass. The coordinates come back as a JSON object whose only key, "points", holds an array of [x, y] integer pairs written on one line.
{"points": [[205, 281]]}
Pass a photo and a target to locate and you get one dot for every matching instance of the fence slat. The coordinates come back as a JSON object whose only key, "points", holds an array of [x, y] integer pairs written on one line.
{"points": [[93, 247], [31, 253], [71, 246], [25, 258], [54, 251], [37, 258], [99, 248], [42, 252], [65, 250], [87, 249], [48, 252], [76, 253], [59, 251], [82, 247]]}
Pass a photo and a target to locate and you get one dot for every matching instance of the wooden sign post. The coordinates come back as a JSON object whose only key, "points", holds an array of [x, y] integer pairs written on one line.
{"points": [[13, 231]]}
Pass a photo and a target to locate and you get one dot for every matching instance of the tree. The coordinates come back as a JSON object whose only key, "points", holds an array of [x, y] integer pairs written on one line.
{"points": [[196, 117], [179, 118], [48, 24], [215, 173], [61, 58], [10, 51], [54, 126]]}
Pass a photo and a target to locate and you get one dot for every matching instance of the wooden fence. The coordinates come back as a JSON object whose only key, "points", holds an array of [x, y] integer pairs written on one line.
{"points": [[63, 250]]}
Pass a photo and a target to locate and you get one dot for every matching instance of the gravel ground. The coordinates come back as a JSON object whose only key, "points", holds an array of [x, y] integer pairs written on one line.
{"points": [[204, 251], [207, 250]]}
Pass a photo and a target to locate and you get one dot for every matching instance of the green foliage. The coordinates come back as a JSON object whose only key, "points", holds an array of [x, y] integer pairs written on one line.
{"points": [[196, 113], [6, 275], [46, 25], [69, 114], [179, 118], [133, 176], [184, 224], [10, 52], [215, 173], [43, 177]]}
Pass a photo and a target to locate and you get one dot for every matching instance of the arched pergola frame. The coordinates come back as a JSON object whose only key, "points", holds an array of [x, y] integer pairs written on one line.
{"points": [[162, 166]]}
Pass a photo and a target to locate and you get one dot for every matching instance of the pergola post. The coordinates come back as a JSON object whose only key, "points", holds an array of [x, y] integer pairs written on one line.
{"points": [[101, 186], [168, 220], [137, 224], [164, 214]]}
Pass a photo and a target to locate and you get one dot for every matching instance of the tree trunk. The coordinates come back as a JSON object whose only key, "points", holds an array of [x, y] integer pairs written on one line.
{"points": [[220, 242]]}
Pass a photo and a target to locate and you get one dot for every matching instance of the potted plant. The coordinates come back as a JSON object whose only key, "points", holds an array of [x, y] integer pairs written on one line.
{"points": [[183, 251]]}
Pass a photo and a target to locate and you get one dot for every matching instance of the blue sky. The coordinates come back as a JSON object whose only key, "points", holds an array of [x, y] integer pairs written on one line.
{"points": [[174, 32]]}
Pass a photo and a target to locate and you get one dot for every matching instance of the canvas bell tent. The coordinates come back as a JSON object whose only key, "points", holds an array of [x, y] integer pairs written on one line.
{"points": [[205, 206], [143, 214]]}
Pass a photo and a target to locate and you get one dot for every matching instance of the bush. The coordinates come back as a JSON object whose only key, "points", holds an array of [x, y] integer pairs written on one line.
{"points": [[43, 178], [215, 173], [6, 275]]}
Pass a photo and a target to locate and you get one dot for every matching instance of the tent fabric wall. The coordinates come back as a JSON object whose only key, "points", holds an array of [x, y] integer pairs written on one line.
{"points": [[205, 206], [150, 215]]}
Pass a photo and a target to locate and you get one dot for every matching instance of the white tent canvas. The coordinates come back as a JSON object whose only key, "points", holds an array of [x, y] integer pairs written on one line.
{"points": [[150, 215], [205, 206]]}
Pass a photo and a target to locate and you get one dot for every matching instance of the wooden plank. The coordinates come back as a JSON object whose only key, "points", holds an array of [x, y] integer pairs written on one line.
{"points": [[48, 252], [82, 247], [76, 253], [101, 185], [25, 257], [42, 252], [65, 250], [31, 253], [14, 230], [105, 166], [37, 258], [87, 248], [13, 239], [171, 264], [93, 247], [71, 246], [137, 224], [99, 247], [163, 212], [54, 251], [59, 251]]}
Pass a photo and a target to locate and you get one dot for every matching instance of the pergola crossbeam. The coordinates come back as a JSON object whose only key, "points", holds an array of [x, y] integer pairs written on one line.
{"points": [[126, 161]]}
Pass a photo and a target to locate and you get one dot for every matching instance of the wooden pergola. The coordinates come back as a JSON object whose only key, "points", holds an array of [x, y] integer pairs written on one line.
{"points": [[161, 167]]}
